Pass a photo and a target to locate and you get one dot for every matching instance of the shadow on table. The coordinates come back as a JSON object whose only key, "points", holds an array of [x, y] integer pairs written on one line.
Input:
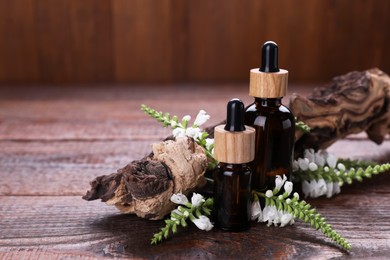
{"points": [[129, 236]]}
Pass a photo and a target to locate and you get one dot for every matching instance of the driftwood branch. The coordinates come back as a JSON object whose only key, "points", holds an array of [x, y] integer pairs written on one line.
{"points": [[349, 104], [144, 187]]}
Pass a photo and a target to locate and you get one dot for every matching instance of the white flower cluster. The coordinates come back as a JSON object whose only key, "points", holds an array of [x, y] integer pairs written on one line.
{"points": [[311, 162], [202, 222], [182, 129], [270, 213]]}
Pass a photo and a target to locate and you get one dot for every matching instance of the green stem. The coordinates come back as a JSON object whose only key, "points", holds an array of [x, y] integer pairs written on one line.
{"points": [[304, 211], [189, 211], [342, 176]]}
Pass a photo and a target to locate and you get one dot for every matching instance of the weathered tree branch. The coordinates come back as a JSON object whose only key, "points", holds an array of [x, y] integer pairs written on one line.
{"points": [[349, 104], [144, 187]]}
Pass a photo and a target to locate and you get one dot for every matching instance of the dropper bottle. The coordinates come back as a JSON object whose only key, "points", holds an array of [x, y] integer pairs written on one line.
{"points": [[234, 149], [274, 122]]}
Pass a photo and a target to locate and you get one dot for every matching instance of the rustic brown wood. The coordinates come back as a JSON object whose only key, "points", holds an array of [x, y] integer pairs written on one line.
{"points": [[175, 41], [42, 214], [147, 40], [144, 187], [351, 103], [18, 48]]}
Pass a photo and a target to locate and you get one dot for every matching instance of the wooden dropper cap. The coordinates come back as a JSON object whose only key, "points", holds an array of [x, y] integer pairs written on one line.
{"points": [[234, 142], [269, 81]]}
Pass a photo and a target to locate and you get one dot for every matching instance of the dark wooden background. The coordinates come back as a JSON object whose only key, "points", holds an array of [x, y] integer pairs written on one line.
{"points": [[170, 41]]}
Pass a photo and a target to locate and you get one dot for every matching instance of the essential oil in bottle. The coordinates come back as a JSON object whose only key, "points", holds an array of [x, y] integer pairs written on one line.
{"points": [[234, 149], [274, 123]]}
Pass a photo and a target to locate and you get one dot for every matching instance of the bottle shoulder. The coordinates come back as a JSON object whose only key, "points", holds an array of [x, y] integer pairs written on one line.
{"points": [[228, 167], [282, 111]]}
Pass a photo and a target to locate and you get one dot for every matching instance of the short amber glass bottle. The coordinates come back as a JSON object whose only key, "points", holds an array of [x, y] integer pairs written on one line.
{"points": [[232, 196], [234, 149]]}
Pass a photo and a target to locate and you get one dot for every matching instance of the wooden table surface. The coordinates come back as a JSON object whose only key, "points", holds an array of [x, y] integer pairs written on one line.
{"points": [[55, 140]]}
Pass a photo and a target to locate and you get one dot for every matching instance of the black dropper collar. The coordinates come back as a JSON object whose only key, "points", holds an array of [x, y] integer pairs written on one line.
{"points": [[235, 116], [269, 57]]}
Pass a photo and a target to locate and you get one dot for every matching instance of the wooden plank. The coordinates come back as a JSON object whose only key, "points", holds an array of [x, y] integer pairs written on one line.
{"points": [[18, 44], [74, 114], [91, 40], [143, 39], [55, 53], [224, 39], [70, 226], [62, 168]]}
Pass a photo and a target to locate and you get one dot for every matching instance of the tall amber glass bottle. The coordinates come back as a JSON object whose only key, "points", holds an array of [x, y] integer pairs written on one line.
{"points": [[274, 122], [234, 149]]}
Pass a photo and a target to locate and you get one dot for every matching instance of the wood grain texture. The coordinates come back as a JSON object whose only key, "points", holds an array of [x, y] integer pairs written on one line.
{"points": [[67, 225], [49, 153], [144, 39], [18, 45], [70, 41]]}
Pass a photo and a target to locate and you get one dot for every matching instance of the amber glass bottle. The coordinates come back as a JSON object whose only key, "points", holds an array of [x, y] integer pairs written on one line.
{"points": [[232, 199], [234, 149], [274, 122]]}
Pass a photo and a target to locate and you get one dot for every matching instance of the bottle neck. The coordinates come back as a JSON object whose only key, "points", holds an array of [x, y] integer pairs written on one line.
{"points": [[233, 166], [268, 102]]}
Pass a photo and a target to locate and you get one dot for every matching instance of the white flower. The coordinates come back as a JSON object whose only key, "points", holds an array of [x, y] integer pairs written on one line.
{"points": [[186, 118], [295, 166], [192, 132], [179, 198], [329, 192], [296, 195], [288, 186], [177, 212], [319, 159], [279, 181], [286, 219], [326, 169], [209, 143], [331, 160], [336, 188], [173, 123], [313, 167], [197, 199], [309, 154], [269, 193], [199, 136], [270, 214], [288, 201], [256, 212], [306, 188], [341, 167], [201, 118], [303, 164], [203, 223], [179, 132], [319, 188]]}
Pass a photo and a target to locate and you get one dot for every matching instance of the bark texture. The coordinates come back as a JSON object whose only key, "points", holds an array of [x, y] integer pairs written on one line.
{"points": [[349, 104], [144, 187]]}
